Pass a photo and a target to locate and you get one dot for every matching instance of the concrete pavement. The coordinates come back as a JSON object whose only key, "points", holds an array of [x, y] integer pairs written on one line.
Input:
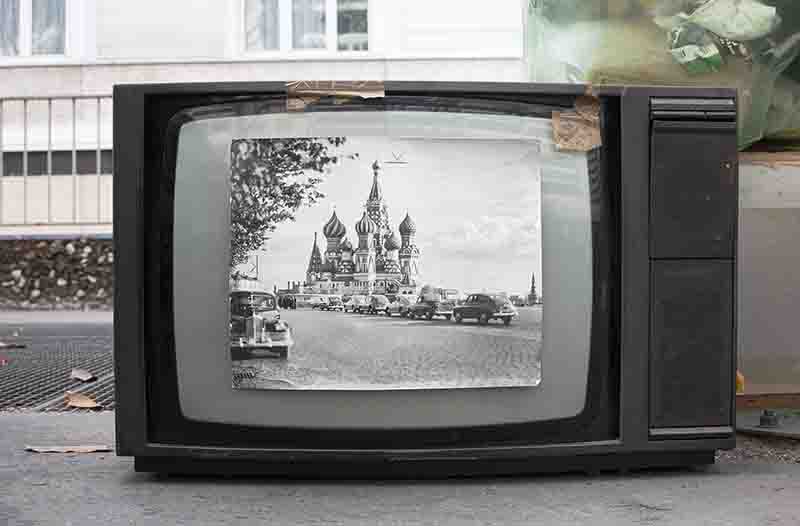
{"points": [[337, 350], [88, 489]]}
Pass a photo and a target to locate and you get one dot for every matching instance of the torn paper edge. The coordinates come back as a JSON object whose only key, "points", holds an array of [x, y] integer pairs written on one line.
{"points": [[578, 130], [301, 93]]}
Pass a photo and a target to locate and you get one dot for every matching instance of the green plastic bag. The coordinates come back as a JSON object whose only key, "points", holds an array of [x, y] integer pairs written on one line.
{"points": [[742, 44]]}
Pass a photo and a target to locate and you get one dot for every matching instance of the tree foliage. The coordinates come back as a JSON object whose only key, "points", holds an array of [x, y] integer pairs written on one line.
{"points": [[271, 179]]}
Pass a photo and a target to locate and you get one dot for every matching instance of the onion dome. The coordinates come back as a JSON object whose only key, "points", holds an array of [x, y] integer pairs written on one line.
{"points": [[334, 229], [366, 226], [408, 226], [346, 246], [392, 242]]}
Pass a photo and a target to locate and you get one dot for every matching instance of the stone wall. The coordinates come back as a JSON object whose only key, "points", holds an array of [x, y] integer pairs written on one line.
{"points": [[74, 274]]}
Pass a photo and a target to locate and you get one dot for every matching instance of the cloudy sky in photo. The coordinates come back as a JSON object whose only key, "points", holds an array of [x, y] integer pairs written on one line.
{"points": [[476, 203]]}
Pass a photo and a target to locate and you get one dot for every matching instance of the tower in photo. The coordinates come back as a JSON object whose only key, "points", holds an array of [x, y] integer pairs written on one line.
{"points": [[385, 260]]}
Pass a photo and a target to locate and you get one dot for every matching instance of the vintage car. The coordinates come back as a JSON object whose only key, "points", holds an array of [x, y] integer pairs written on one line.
{"points": [[356, 303], [334, 303], [378, 303], [317, 302], [256, 328], [401, 305], [429, 308], [485, 307]]}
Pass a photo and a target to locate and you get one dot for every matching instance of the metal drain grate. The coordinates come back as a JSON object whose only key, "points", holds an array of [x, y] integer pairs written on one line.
{"points": [[33, 376], [101, 391]]}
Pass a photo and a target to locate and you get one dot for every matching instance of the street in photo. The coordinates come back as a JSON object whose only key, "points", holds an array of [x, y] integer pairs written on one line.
{"points": [[378, 263]]}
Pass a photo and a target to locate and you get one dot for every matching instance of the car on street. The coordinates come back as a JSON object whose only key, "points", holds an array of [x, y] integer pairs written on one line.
{"points": [[517, 301], [356, 304], [334, 304], [400, 306], [317, 302], [378, 303], [256, 328], [429, 308], [485, 307]]}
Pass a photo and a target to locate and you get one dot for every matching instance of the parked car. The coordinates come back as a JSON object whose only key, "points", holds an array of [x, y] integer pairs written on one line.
{"points": [[317, 302], [485, 307], [378, 303], [429, 308], [517, 301], [401, 305], [356, 304], [334, 304], [256, 328]]}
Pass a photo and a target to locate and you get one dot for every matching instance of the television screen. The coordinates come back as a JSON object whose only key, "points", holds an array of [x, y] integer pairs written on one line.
{"points": [[394, 247]]}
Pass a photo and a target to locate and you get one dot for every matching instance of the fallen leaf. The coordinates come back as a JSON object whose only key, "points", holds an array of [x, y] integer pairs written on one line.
{"points": [[80, 401], [82, 374], [68, 449]]}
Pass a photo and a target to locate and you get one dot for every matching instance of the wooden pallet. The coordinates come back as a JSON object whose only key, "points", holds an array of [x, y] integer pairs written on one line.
{"points": [[768, 401]]}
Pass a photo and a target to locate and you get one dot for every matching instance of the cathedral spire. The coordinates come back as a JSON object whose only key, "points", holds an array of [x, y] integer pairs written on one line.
{"points": [[376, 194], [315, 261]]}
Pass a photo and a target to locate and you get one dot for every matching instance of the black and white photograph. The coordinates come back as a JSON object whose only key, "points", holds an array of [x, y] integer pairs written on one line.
{"points": [[377, 263]]}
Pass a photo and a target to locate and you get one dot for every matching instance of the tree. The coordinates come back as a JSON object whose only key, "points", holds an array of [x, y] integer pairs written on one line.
{"points": [[270, 181]]}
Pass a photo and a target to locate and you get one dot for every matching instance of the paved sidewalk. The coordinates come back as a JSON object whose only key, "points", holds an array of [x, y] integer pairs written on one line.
{"points": [[24, 317], [101, 489]]}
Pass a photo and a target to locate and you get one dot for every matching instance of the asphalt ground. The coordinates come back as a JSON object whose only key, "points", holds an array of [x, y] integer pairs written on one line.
{"points": [[102, 489], [758, 483]]}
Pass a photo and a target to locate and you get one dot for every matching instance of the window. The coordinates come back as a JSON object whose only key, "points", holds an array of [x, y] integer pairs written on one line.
{"points": [[308, 24], [9, 27], [261, 24], [61, 163], [283, 25], [48, 35], [352, 25], [32, 27]]}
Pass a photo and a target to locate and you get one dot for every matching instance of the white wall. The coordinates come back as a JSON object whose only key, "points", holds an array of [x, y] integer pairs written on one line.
{"points": [[92, 205], [199, 40], [769, 284], [162, 29], [119, 41], [208, 29], [433, 28], [120, 31]]}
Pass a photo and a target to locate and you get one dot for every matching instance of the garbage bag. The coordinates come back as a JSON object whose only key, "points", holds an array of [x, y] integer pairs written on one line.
{"points": [[694, 48], [743, 44]]}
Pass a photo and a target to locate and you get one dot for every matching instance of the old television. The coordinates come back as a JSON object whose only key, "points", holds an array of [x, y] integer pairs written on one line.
{"points": [[408, 279]]}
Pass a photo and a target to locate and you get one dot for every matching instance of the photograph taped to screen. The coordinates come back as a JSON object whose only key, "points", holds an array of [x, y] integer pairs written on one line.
{"points": [[382, 263]]}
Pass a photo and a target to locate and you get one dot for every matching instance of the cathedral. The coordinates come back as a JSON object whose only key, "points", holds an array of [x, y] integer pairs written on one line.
{"points": [[381, 262]]}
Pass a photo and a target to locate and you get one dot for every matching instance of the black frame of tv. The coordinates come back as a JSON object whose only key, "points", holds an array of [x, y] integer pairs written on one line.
{"points": [[618, 428]]}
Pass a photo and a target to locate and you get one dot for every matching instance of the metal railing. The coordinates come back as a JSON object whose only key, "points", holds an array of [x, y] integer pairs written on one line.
{"points": [[82, 127]]}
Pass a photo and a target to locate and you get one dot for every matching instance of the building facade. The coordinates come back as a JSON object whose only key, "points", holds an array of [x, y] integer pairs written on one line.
{"points": [[385, 259], [59, 61]]}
